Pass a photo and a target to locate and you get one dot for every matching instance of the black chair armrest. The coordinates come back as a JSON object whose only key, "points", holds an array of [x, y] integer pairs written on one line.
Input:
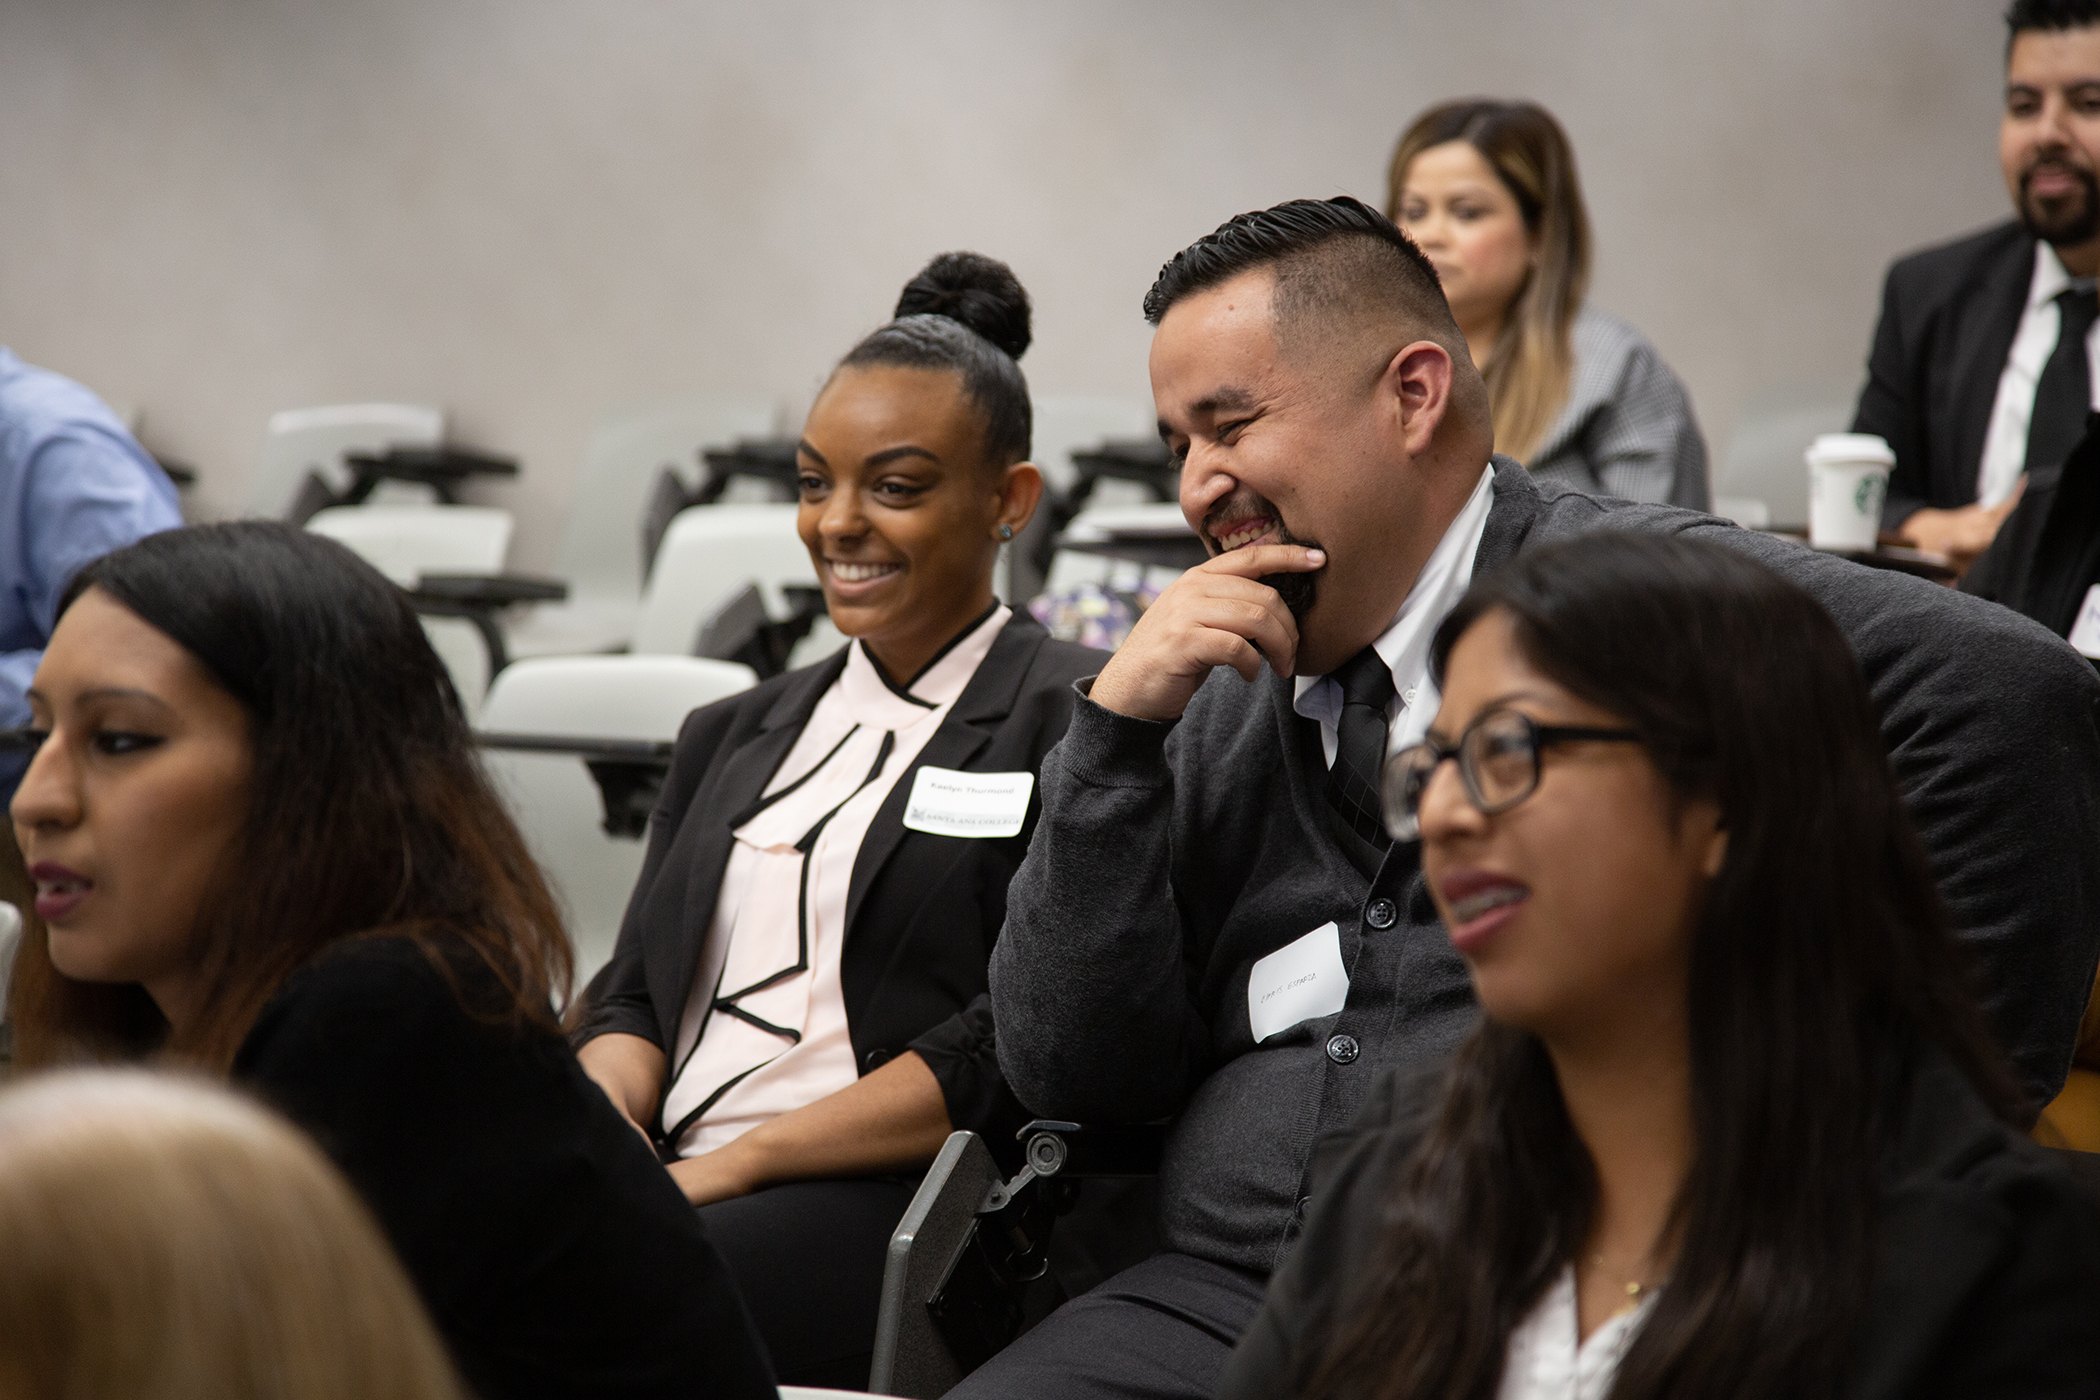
{"points": [[489, 590], [967, 1264], [1054, 1148]]}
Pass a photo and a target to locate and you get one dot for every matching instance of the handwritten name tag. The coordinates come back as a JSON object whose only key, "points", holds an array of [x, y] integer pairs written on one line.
{"points": [[947, 803], [2085, 632], [1298, 982]]}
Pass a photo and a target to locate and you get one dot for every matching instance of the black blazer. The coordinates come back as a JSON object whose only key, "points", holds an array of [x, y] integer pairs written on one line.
{"points": [[922, 911], [556, 1257], [2047, 554], [1948, 317], [1987, 1255]]}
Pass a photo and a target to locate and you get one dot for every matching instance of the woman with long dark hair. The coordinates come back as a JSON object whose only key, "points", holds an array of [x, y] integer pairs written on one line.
{"points": [[263, 848], [1729, 1126], [1489, 191]]}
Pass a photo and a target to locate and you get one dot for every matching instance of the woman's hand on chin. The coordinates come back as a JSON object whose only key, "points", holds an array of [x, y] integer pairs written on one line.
{"points": [[718, 1175]]}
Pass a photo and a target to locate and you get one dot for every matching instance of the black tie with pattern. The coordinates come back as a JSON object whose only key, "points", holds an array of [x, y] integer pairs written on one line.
{"points": [[1352, 784], [2064, 393]]}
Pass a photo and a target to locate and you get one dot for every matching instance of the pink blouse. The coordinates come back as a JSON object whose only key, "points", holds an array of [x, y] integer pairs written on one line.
{"points": [[771, 1035]]}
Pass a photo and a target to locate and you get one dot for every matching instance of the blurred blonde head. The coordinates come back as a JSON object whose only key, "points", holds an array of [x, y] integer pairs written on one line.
{"points": [[161, 1239]]}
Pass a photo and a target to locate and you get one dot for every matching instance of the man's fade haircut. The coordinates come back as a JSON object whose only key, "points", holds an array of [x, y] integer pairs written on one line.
{"points": [[1332, 257], [2047, 17]]}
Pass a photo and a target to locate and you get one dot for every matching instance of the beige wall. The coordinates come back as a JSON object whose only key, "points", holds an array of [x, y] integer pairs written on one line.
{"points": [[533, 211]]}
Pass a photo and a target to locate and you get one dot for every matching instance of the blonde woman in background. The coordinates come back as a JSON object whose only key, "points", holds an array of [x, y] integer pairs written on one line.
{"points": [[166, 1240], [1488, 189]]}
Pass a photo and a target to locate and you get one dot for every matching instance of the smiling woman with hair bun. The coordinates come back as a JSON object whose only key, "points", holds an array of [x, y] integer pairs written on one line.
{"points": [[796, 1011]]}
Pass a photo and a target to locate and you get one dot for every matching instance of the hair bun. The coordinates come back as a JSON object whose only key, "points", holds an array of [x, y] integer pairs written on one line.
{"points": [[980, 292]]}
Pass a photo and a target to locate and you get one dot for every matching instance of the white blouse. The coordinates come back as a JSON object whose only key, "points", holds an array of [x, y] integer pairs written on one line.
{"points": [[771, 1034], [1547, 1358]]}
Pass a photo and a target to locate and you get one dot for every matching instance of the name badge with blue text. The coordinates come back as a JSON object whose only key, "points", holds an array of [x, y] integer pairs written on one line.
{"points": [[1300, 981], [945, 802]]}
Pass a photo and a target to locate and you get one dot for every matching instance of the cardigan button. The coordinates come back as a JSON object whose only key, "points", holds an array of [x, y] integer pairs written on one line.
{"points": [[1381, 913], [1343, 1049], [874, 1060]]}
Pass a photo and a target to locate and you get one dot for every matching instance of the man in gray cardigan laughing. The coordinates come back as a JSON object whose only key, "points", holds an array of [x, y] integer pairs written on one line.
{"points": [[1211, 925]]}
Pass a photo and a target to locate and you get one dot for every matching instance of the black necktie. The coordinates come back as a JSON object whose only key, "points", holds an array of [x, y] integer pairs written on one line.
{"points": [[1352, 783], [2064, 394]]}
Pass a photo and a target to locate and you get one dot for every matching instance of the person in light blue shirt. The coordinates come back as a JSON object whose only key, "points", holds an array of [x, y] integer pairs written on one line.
{"points": [[74, 485]]}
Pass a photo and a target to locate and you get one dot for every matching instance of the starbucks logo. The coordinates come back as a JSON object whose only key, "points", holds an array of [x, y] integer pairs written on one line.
{"points": [[1867, 496]]}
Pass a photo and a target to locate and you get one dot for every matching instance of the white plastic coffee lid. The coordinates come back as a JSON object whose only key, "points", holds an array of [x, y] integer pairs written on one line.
{"points": [[1851, 447]]}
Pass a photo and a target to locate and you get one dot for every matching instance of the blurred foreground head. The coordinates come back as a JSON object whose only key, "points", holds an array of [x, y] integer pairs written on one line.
{"points": [[166, 1240]]}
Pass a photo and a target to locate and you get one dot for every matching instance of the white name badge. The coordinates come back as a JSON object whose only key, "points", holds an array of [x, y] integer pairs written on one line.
{"points": [[1298, 982], [947, 803], [2085, 632]]}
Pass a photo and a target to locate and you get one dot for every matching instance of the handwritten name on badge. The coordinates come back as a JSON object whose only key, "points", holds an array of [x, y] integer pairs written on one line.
{"points": [[1298, 982], [947, 803]]}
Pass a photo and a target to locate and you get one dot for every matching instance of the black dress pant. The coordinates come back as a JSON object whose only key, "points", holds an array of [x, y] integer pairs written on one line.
{"points": [[808, 1256], [1159, 1331]]}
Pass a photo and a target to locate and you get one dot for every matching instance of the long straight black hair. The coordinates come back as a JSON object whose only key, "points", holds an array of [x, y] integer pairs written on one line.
{"points": [[368, 809], [1820, 967]]}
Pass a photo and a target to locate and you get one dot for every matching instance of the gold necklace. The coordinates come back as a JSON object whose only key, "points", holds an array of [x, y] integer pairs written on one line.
{"points": [[1635, 1289]]}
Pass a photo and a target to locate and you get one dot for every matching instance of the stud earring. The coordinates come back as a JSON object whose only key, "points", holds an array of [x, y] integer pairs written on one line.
{"points": [[1006, 532]]}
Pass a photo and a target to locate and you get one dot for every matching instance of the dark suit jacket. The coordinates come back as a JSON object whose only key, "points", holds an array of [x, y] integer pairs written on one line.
{"points": [[1175, 857], [556, 1257], [1987, 1255], [1948, 317], [2047, 554], [922, 911]]}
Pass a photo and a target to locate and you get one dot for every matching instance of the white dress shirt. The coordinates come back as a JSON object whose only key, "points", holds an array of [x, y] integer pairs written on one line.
{"points": [[1405, 642], [802, 1051], [1547, 1357], [2005, 440]]}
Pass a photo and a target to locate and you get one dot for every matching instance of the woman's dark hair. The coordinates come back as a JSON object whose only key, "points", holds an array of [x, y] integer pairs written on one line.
{"points": [[1820, 966], [367, 810], [967, 313]]}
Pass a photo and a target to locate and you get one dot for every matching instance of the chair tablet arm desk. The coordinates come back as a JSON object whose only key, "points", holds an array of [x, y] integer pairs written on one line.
{"points": [[478, 598], [630, 773], [955, 1288]]}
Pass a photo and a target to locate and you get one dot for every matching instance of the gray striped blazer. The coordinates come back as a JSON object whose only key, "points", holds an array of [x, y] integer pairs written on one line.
{"points": [[1627, 429]]}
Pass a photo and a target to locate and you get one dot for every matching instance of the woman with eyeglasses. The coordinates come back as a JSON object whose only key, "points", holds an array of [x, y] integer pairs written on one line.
{"points": [[1729, 1126]]}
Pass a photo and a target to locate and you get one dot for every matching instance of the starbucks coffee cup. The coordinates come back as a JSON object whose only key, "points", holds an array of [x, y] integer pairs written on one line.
{"points": [[1848, 478]]}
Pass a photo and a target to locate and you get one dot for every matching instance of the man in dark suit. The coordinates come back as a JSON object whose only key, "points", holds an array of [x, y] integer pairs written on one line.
{"points": [[1212, 924], [1981, 365]]}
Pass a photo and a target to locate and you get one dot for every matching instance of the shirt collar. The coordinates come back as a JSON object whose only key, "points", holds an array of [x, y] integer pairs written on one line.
{"points": [[1404, 644], [2051, 277], [938, 686]]}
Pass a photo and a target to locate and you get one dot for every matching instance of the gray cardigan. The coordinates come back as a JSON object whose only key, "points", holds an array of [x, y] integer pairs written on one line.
{"points": [[1171, 857], [1627, 429]]}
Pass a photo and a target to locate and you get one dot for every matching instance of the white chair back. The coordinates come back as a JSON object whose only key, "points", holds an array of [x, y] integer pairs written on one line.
{"points": [[600, 555], [708, 555], [300, 440], [552, 796], [404, 542]]}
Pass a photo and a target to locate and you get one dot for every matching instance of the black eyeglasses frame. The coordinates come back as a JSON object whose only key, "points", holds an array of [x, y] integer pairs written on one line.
{"points": [[1405, 825]]}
